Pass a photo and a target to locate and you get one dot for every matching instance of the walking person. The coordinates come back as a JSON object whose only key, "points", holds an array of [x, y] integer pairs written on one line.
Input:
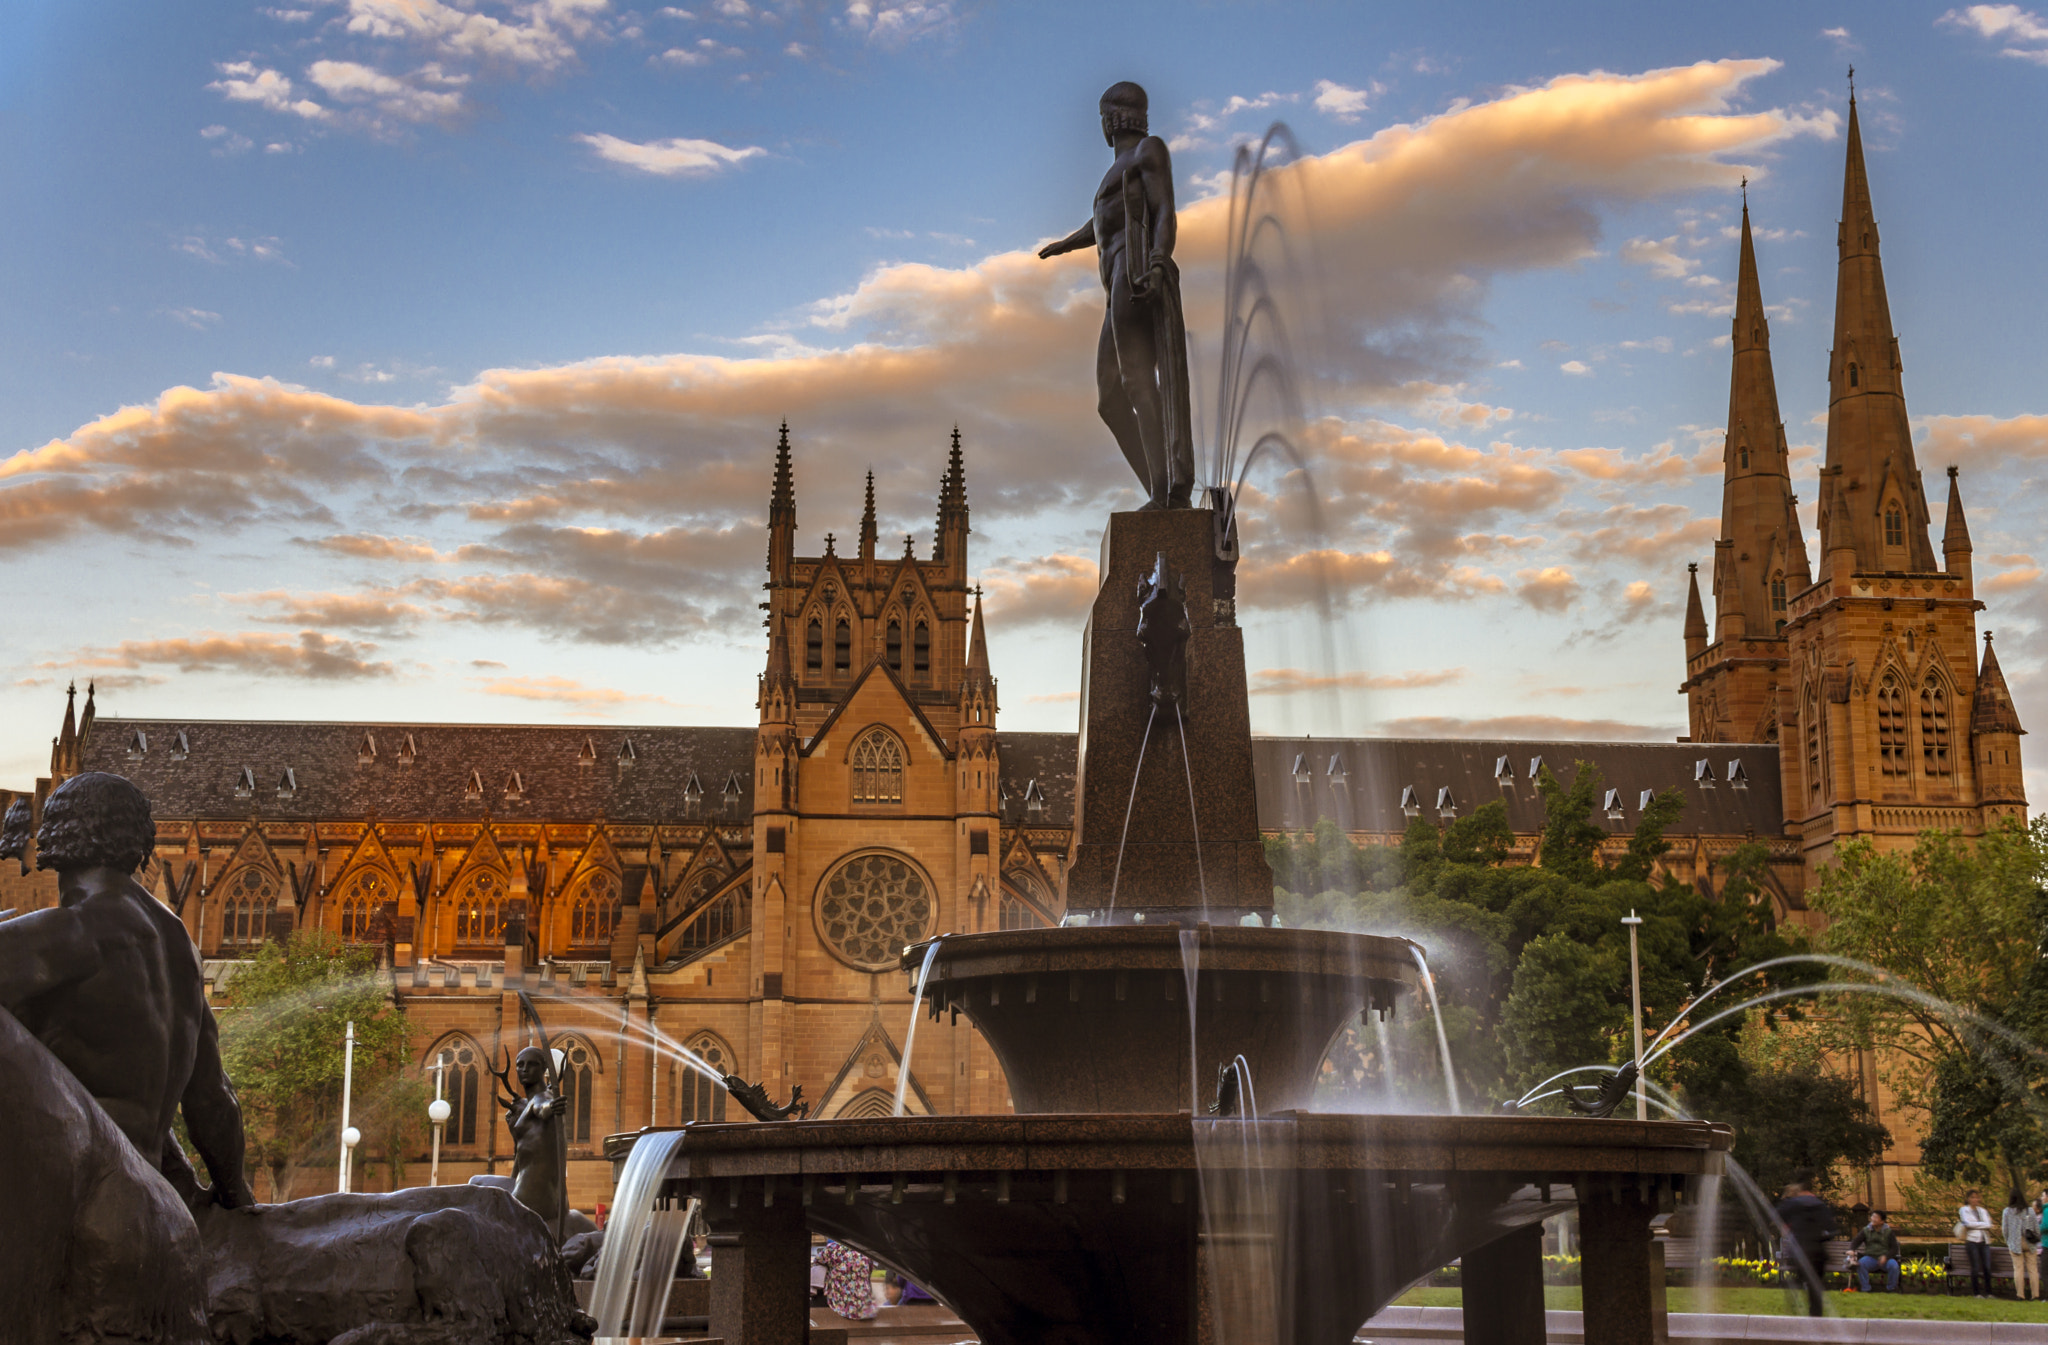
{"points": [[2021, 1224], [1876, 1247], [1807, 1221], [1975, 1222]]}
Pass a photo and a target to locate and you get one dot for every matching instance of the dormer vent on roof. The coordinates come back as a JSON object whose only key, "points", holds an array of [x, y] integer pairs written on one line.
{"points": [[693, 794], [1738, 778], [181, 746], [1535, 766], [288, 783], [1613, 805], [1504, 770], [366, 750], [138, 745], [628, 754], [1034, 797], [1446, 806], [245, 783], [1301, 771], [587, 755], [731, 792], [1643, 799], [1410, 805], [407, 750], [1703, 773], [1338, 775], [474, 790], [515, 788]]}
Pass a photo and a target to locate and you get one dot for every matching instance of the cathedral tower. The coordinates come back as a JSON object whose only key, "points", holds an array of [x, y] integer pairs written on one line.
{"points": [[1760, 559], [1891, 728]]}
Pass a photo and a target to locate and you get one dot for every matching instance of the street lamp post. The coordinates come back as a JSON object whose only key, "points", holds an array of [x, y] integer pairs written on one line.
{"points": [[1635, 994], [437, 1112], [349, 1134]]}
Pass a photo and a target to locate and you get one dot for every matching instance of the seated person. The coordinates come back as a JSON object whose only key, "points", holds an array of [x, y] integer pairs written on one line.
{"points": [[109, 982], [1876, 1246]]}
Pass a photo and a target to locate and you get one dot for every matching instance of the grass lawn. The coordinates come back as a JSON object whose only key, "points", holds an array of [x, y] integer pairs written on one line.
{"points": [[1775, 1303]]}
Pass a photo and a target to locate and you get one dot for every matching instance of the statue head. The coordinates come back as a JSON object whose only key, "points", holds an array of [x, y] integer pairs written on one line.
{"points": [[1123, 109], [95, 820], [531, 1065], [17, 830]]}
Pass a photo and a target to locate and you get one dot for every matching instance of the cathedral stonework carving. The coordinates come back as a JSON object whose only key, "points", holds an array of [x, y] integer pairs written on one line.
{"points": [[871, 908]]}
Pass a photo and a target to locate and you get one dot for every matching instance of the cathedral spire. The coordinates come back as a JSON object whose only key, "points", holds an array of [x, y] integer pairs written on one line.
{"points": [[1870, 442], [782, 513], [867, 522], [1993, 712], [1760, 555], [977, 649], [950, 542], [1955, 535], [1695, 614]]}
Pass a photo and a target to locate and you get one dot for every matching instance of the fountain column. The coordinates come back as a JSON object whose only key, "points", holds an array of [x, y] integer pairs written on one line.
{"points": [[1621, 1272], [1503, 1290], [761, 1273]]}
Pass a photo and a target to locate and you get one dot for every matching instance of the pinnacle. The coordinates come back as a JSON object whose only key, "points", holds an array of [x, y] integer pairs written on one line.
{"points": [[1695, 612], [1955, 536], [977, 649]]}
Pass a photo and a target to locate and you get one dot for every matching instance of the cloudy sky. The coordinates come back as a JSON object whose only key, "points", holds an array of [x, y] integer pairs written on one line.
{"points": [[420, 359]]}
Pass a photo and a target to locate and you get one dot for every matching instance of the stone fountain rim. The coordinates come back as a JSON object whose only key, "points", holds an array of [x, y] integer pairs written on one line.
{"points": [[1560, 1145], [1153, 947]]}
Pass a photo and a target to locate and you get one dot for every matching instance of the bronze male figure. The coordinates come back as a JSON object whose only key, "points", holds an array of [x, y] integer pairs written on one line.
{"points": [[1141, 362], [109, 981]]}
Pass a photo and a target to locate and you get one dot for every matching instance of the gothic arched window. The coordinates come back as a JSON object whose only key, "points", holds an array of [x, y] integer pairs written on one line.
{"points": [[359, 902], [480, 911], [577, 1059], [595, 911], [1891, 728], [814, 647], [1852, 375], [1017, 914], [1810, 719], [699, 1098], [1894, 524], [1778, 592], [459, 1086], [921, 648], [878, 768], [1934, 728], [1742, 455], [842, 647], [894, 644], [246, 913]]}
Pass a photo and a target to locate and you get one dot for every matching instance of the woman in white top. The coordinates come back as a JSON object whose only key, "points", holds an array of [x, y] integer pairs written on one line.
{"points": [[1976, 1225]]}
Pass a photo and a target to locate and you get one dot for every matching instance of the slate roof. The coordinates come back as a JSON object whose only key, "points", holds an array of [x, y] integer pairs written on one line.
{"points": [[1375, 771], [1048, 759], [330, 780]]}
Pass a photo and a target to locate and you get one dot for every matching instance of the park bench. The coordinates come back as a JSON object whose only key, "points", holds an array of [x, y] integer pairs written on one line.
{"points": [[1959, 1266]]}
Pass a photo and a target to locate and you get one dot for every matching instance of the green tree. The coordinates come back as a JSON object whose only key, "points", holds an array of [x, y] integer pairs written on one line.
{"points": [[282, 1043], [1571, 839]]}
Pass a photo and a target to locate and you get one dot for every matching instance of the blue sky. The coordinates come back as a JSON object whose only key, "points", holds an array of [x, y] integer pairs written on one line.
{"points": [[405, 359]]}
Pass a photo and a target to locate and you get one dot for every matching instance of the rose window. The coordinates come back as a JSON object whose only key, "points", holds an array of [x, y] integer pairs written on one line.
{"points": [[871, 908]]}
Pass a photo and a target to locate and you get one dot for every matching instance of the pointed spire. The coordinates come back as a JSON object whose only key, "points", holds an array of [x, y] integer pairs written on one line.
{"points": [[977, 649], [950, 543], [1870, 440], [67, 737], [1993, 712], [1798, 569], [1955, 537], [867, 521], [783, 500], [778, 658], [1759, 551], [1695, 613], [1837, 530]]}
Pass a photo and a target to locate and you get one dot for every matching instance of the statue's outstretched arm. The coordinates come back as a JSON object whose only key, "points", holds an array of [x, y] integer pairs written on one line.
{"points": [[41, 951], [1083, 237], [213, 1118]]}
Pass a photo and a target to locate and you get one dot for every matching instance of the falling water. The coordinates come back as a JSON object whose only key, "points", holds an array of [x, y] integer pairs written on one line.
{"points": [[1191, 974], [1122, 840], [910, 1036], [1386, 1044], [1443, 1042], [1194, 821], [622, 1263]]}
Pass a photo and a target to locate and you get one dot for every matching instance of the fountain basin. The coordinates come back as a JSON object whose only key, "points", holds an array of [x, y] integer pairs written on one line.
{"points": [[1095, 1018], [1089, 1228]]}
